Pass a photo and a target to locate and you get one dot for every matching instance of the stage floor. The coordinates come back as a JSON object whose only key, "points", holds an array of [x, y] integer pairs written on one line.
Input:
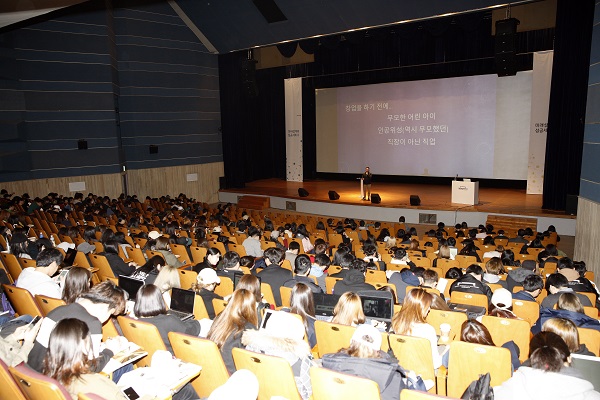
{"points": [[394, 195]]}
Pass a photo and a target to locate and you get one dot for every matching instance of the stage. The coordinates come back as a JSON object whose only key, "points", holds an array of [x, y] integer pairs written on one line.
{"points": [[395, 201]]}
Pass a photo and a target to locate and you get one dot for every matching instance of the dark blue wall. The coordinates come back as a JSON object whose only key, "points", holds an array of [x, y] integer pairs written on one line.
{"points": [[121, 78], [590, 165]]}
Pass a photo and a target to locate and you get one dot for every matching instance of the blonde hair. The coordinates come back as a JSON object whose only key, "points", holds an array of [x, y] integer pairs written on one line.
{"points": [[348, 310], [564, 328], [240, 310], [494, 266], [570, 302], [414, 310], [167, 278], [444, 252], [391, 242]]}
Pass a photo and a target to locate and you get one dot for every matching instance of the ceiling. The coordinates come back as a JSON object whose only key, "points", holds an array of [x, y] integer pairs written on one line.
{"points": [[230, 25]]}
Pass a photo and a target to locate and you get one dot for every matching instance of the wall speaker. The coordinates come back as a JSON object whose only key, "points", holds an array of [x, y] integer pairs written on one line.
{"points": [[333, 195], [571, 204], [249, 78], [302, 192], [82, 144], [375, 198], [153, 149], [506, 46], [415, 200]]}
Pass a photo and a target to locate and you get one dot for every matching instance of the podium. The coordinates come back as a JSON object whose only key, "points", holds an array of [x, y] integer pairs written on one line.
{"points": [[465, 192], [362, 187]]}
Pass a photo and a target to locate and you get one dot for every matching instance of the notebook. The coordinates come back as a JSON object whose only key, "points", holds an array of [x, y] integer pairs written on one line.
{"points": [[130, 285], [324, 305], [182, 303], [378, 309]]}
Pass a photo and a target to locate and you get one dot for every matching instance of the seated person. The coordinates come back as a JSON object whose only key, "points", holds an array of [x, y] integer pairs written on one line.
{"points": [[577, 282], [118, 266], [37, 280], [557, 284], [302, 266], [550, 375], [348, 310], [230, 265], [365, 359], [430, 280], [567, 330], [67, 360], [471, 282], [532, 287], [206, 282], [372, 255], [292, 252], [344, 260], [252, 242], [273, 274], [354, 280], [568, 307], [493, 270]]}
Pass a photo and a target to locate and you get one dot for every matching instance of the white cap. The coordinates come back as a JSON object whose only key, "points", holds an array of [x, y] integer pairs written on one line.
{"points": [[502, 299], [217, 229], [369, 336], [154, 235], [285, 325], [208, 276]]}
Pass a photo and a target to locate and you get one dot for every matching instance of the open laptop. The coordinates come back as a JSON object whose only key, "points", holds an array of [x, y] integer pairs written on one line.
{"points": [[69, 258], [182, 303], [378, 309], [589, 367], [130, 285], [324, 305], [237, 276]]}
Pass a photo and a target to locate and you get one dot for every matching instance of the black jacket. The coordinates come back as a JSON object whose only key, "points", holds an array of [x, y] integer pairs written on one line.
{"points": [[354, 281], [275, 276], [469, 284], [303, 279], [384, 371]]}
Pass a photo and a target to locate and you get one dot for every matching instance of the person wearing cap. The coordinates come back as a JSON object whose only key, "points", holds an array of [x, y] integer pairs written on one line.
{"points": [[252, 242], [205, 286], [502, 304], [283, 336], [517, 275], [365, 359]]}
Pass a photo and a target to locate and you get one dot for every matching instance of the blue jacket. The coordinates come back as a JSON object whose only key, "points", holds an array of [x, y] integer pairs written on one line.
{"points": [[579, 319]]}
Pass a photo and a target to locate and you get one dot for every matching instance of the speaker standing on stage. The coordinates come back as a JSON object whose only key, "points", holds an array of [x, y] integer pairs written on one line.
{"points": [[367, 183]]}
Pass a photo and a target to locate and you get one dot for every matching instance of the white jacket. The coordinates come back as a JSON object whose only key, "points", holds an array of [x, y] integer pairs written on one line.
{"points": [[532, 384]]}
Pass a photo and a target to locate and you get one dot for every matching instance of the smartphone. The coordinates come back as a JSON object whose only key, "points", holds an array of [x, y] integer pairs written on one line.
{"points": [[131, 394]]}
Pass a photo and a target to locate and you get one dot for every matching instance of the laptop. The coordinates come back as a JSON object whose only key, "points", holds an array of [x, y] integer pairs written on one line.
{"points": [[237, 276], [130, 285], [589, 367], [69, 258], [324, 305], [378, 309], [472, 312], [182, 303]]}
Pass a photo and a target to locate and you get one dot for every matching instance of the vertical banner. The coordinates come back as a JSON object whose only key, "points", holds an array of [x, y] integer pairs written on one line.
{"points": [[540, 100], [293, 129]]}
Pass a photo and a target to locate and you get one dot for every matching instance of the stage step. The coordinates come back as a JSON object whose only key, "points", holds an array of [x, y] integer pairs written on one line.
{"points": [[508, 223], [254, 202]]}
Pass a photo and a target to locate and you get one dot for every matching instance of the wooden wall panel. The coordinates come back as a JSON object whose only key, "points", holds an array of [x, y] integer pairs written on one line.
{"points": [[588, 236], [156, 182], [106, 184]]}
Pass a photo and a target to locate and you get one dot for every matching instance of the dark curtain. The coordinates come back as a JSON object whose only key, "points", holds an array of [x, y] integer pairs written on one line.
{"points": [[568, 96], [253, 126], [446, 47]]}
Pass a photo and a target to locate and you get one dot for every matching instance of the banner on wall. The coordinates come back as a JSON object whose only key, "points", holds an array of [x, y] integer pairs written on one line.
{"points": [[293, 129], [540, 100]]}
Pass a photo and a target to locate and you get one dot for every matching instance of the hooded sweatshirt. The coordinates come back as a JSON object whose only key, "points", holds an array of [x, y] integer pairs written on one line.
{"points": [[532, 384], [516, 277], [354, 281]]}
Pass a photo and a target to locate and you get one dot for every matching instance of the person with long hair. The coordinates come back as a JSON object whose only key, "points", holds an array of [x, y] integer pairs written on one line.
{"points": [[70, 361], [549, 377], [303, 234], [364, 358], [227, 329], [77, 282], [118, 266], [150, 270], [252, 284], [302, 303], [151, 307], [411, 320], [567, 330], [89, 237], [163, 247], [569, 306], [348, 310], [167, 279]]}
